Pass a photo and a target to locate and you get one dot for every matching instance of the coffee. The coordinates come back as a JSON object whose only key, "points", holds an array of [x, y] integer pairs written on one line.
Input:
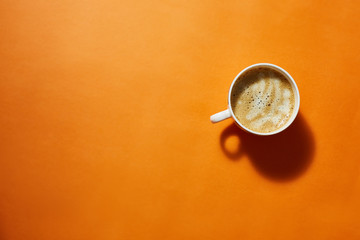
{"points": [[262, 99]]}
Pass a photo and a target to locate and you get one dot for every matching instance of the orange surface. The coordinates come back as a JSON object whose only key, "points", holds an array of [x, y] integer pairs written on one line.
{"points": [[105, 131]]}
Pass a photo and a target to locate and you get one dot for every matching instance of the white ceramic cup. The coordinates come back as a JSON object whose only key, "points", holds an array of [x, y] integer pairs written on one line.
{"points": [[229, 112]]}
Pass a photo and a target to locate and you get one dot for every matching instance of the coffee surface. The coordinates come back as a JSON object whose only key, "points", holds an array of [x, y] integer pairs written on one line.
{"points": [[262, 100]]}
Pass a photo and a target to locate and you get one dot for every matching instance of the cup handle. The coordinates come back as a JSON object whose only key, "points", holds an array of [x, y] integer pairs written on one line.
{"points": [[217, 117]]}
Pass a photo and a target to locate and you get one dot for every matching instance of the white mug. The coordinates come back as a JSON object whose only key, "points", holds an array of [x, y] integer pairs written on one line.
{"points": [[229, 112]]}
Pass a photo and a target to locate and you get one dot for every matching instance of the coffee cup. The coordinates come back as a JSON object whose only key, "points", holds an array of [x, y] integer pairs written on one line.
{"points": [[263, 99]]}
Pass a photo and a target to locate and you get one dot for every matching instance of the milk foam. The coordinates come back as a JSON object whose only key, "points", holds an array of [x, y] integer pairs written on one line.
{"points": [[263, 101]]}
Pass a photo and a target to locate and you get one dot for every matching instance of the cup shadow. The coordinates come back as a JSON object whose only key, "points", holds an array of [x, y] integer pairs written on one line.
{"points": [[280, 157]]}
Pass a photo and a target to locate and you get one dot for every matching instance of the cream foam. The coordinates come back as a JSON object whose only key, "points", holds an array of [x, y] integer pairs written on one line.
{"points": [[264, 101]]}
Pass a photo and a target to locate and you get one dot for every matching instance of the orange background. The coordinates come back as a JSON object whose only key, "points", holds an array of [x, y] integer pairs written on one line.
{"points": [[105, 131]]}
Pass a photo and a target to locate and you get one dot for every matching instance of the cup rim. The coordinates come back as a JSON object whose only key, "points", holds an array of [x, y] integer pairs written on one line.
{"points": [[295, 88]]}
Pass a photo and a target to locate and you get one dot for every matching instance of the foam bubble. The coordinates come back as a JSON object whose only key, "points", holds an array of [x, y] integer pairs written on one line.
{"points": [[286, 93], [260, 122], [284, 107], [276, 118], [261, 86]]}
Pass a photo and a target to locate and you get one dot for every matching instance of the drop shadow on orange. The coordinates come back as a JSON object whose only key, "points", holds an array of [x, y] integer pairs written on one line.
{"points": [[280, 157]]}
